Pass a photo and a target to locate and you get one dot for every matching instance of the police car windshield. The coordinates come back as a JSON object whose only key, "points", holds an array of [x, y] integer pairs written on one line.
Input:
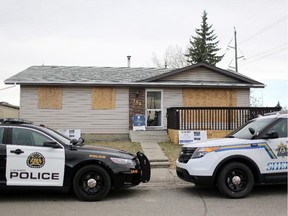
{"points": [[60, 137], [252, 128]]}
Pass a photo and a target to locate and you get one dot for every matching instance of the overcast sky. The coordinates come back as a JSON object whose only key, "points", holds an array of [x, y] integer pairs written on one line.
{"points": [[104, 32]]}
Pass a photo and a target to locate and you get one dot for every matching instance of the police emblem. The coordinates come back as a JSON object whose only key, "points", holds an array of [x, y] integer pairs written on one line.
{"points": [[282, 150], [35, 160]]}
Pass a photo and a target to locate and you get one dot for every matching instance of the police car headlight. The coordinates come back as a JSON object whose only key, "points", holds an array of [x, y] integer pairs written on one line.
{"points": [[200, 152], [123, 161]]}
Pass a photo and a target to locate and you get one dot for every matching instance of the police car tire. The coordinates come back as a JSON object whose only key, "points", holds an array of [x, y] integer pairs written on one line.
{"points": [[235, 180], [99, 179]]}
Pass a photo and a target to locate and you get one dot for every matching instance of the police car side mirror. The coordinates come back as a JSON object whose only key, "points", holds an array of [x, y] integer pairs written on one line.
{"points": [[74, 141], [79, 141], [51, 144], [271, 135]]}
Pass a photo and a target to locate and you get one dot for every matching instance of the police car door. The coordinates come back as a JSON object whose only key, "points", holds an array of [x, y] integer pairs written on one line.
{"points": [[2, 157], [278, 144], [29, 163]]}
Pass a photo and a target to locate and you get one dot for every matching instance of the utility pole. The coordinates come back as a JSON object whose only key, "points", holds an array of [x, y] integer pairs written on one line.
{"points": [[236, 57], [235, 48]]}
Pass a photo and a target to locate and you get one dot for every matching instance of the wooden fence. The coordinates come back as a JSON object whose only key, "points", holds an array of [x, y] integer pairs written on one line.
{"points": [[213, 118]]}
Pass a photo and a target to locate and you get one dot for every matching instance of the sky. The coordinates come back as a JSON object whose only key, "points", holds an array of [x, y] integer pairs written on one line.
{"points": [[104, 32]]}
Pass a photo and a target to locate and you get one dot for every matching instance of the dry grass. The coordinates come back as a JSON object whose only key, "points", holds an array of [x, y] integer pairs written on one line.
{"points": [[131, 147], [172, 151]]}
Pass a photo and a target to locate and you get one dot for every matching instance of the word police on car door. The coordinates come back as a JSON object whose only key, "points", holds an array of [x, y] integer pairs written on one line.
{"points": [[30, 163]]}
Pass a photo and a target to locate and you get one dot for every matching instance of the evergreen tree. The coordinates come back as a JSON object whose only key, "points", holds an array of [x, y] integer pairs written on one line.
{"points": [[203, 46], [278, 105]]}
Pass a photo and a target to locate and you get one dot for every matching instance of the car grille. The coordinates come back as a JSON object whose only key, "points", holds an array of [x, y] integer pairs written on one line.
{"points": [[185, 154]]}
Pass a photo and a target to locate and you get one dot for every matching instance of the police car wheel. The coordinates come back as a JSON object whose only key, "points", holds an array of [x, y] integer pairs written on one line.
{"points": [[91, 183], [235, 180]]}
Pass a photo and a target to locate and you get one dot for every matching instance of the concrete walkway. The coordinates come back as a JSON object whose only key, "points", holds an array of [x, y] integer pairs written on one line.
{"points": [[155, 154], [160, 171]]}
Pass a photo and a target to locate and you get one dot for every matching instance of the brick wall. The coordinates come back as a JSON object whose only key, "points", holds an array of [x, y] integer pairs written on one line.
{"points": [[136, 103]]}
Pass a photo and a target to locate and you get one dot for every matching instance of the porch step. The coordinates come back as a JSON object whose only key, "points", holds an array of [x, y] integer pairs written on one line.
{"points": [[155, 136]]}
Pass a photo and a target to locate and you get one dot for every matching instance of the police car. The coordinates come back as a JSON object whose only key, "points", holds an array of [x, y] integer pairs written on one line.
{"points": [[255, 153], [37, 156]]}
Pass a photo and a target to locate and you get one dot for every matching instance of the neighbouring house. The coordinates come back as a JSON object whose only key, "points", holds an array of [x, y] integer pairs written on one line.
{"points": [[8, 110], [103, 100]]}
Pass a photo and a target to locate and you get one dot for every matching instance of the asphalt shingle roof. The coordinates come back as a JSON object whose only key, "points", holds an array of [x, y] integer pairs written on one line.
{"points": [[67, 75], [42, 74]]}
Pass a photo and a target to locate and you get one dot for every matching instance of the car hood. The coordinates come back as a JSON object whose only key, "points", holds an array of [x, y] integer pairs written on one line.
{"points": [[105, 151], [220, 142]]}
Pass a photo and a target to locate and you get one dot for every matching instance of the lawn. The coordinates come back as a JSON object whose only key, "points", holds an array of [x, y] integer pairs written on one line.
{"points": [[172, 151]]}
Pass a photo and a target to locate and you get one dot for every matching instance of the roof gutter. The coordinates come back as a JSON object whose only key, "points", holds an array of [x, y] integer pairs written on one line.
{"points": [[142, 84]]}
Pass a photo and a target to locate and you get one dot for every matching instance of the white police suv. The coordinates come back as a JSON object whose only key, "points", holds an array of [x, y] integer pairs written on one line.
{"points": [[255, 153]]}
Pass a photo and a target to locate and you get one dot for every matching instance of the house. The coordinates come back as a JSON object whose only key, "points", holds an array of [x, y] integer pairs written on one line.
{"points": [[8, 110], [103, 100]]}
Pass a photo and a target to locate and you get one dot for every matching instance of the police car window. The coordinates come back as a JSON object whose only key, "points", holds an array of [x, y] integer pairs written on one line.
{"points": [[246, 132], [21, 136], [1, 134], [280, 127]]}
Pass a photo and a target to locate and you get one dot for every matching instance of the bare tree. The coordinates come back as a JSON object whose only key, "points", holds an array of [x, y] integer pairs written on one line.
{"points": [[254, 100], [173, 58]]}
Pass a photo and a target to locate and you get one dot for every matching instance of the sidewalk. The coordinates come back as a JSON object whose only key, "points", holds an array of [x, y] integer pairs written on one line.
{"points": [[155, 154], [160, 171]]}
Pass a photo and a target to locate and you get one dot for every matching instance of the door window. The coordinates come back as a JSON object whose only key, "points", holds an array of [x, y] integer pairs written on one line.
{"points": [[1, 134], [280, 127], [21, 136], [154, 108]]}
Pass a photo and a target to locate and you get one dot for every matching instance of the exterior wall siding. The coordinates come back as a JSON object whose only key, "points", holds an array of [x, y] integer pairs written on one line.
{"points": [[200, 74], [76, 112], [171, 98], [243, 98]]}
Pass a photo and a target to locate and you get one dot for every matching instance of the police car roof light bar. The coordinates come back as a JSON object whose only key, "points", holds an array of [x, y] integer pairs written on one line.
{"points": [[15, 121]]}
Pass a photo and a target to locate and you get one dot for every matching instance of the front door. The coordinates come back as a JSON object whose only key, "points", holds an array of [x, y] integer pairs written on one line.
{"points": [[154, 112]]}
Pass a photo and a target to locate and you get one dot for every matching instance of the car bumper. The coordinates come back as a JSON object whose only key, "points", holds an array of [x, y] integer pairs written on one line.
{"points": [[133, 177], [205, 181]]}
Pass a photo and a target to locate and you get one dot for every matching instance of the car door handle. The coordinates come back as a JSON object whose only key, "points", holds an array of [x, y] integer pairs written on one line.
{"points": [[17, 151]]}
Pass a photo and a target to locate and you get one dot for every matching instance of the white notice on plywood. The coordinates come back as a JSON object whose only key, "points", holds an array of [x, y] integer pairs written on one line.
{"points": [[189, 136]]}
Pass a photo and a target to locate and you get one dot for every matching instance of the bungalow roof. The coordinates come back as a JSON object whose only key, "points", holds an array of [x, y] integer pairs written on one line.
{"points": [[67, 75]]}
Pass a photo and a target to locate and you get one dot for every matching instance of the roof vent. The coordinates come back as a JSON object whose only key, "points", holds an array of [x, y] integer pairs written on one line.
{"points": [[128, 61]]}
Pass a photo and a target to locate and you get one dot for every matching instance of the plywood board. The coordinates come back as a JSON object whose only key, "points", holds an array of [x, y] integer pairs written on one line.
{"points": [[209, 97], [103, 98], [50, 98]]}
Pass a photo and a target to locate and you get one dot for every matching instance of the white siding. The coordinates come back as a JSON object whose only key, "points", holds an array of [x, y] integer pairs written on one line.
{"points": [[76, 112], [243, 97], [171, 98], [200, 74]]}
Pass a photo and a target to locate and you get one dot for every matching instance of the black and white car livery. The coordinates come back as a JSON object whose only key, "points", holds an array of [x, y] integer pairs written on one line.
{"points": [[255, 153], [37, 156]]}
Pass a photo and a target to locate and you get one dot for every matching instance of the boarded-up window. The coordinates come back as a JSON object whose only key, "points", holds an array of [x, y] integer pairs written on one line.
{"points": [[50, 98], [209, 98], [103, 98]]}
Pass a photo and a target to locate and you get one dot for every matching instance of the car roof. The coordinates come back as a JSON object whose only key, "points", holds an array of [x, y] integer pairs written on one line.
{"points": [[280, 114], [19, 122], [15, 121]]}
